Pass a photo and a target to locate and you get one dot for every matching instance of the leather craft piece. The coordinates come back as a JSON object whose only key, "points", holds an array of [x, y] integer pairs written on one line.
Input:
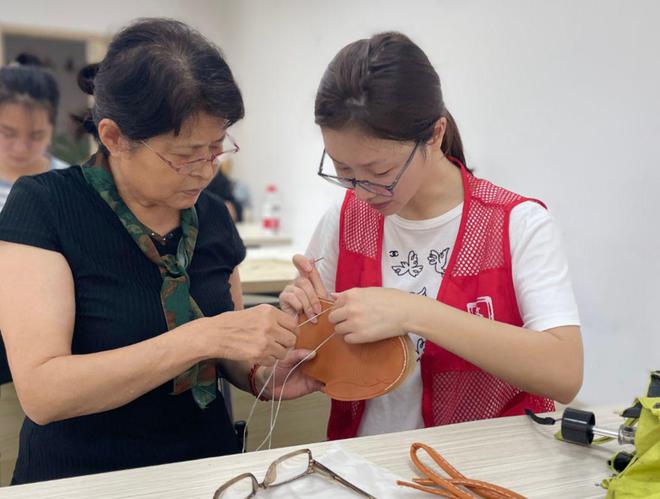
{"points": [[354, 371], [455, 486]]}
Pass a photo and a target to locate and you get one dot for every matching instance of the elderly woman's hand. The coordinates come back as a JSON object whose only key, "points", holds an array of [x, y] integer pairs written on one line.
{"points": [[289, 369], [259, 335]]}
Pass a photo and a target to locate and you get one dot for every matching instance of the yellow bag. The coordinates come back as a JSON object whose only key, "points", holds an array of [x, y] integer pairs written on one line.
{"points": [[641, 477]]}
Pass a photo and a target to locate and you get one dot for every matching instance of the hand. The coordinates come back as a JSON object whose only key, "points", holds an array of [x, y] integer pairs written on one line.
{"points": [[259, 335], [297, 385], [304, 293], [364, 315]]}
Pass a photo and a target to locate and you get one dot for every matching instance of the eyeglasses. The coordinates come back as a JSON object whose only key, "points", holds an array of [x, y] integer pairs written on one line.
{"points": [[286, 469], [228, 147], [367, 185]]}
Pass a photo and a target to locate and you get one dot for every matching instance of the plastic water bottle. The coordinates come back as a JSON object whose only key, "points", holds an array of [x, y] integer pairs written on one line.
{"points": [[271, 209]]}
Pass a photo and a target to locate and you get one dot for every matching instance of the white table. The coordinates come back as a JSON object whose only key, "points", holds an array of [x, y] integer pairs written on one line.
{"points": [[253, 235], [512, 452], [266, 276], [267, 270]]}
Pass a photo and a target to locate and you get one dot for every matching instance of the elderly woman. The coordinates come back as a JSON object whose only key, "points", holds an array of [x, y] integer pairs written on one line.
{"points": [[120, 299]]}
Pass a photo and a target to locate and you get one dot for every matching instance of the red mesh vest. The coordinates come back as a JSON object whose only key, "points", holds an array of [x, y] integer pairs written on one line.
{"points": [[478, 280]]}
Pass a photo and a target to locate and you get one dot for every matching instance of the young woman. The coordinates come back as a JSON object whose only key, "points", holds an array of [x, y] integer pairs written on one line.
{"points": [[29, 99], [120, 302], [475, 274]]}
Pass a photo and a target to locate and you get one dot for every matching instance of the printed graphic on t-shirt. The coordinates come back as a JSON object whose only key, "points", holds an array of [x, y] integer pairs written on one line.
{"points": [[411, 267], [419, 341], [419, 347], [439, 260], [394, 253]]}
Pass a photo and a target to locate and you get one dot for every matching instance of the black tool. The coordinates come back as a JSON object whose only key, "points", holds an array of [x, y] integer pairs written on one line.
{"points": [[579, 427]]}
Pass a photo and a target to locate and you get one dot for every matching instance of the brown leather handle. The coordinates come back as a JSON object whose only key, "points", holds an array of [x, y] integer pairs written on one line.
{"points": [[454, 486]]}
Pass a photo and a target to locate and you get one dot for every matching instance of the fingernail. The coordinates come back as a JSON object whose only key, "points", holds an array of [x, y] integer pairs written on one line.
{"points": [[317, 308]]}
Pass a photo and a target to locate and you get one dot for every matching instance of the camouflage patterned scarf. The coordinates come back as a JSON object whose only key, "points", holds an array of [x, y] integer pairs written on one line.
{"points": [[178, 306]]}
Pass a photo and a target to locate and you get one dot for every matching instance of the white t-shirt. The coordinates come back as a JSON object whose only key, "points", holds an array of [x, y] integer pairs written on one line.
{"points": [[414, 259], [5, 187]]}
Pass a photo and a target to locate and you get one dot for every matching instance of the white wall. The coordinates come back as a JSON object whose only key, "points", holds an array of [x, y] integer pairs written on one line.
{"points": [[556, 100], [105, 17]]}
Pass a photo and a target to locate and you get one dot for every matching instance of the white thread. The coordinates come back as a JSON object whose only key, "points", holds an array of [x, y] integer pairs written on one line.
{"points": [[273, 420], [286, 378], [272, 407], [254, 405]]}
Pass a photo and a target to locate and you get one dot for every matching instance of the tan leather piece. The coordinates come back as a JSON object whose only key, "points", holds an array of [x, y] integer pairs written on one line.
{"points": [[354, 372]]}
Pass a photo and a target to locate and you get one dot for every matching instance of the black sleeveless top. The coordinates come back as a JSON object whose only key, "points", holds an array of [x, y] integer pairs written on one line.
{"points": [[117, 294]]}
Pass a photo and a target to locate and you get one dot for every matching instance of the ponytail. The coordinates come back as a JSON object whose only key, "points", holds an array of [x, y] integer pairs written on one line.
{"points": [[452, 145]]}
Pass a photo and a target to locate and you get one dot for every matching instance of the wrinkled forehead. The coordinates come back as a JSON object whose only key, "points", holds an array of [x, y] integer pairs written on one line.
{"points": [[202, 125], [199, 130]]}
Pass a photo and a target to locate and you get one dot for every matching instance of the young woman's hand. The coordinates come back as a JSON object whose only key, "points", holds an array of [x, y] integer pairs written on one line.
{"points": [[304, 292], [297, 385], [259, 335], [364, 315]]}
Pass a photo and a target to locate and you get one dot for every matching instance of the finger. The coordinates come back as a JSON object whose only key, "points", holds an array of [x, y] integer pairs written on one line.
{"points": [[344, 328], [302, 264], [299, 354], [289, 302], [315, 279], [352, 338], [307, 268], [283, 337], [338, 315], [277, 350], [286, 321], [339, 298], [303, 290]]}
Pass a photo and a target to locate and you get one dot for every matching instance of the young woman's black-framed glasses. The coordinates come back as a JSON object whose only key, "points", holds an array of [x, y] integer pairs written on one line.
{"points": [[367, 185], [228, 147], [283, 470]]}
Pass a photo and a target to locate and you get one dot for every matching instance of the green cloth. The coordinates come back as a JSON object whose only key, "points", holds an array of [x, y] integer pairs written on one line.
{"points": [[641, 478], [178, 306]]}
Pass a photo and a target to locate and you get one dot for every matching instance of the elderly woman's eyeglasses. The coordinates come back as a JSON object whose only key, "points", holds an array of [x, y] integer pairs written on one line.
{"points": [[367, 185], [286, 469], [227, 148]]}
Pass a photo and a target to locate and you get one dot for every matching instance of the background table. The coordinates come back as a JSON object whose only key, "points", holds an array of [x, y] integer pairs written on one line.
{"points": [[266, 275], [268, 270], [253, 235], [513, 452]]}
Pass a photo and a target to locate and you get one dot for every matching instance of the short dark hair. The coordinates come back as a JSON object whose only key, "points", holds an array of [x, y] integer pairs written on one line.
{"points": [[158, 73], [26, 81], [386, 86]]}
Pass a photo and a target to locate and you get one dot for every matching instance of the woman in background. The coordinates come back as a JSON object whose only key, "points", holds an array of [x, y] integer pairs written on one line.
{"points": [[29, 99]]}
